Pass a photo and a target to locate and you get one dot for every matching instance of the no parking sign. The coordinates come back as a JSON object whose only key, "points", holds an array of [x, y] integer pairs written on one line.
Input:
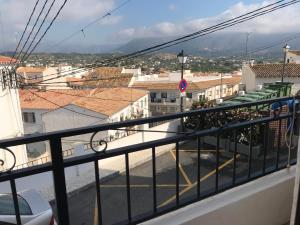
{"points": [[182, 85]]}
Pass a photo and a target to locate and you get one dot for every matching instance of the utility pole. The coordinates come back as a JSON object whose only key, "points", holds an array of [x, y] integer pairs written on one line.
{"points": [[246, 50], [182, 59]]}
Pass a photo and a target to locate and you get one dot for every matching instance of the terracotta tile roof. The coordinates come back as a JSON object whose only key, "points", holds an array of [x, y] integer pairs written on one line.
{"points": [[191, 86], [111, 100], [275, 70], [31, 69], [205, 74], [6, 60], [114, 78], [31, 101], [295, 52]]}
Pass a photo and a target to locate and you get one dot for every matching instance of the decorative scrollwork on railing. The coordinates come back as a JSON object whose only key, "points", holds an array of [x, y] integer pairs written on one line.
{"points": [[2, 162], [95, 145]]}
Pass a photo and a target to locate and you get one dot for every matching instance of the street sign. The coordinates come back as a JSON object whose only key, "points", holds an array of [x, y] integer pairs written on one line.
{"points": [[182, 85]]}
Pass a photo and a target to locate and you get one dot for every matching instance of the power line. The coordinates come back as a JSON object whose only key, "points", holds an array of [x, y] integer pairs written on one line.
{"points": [[274, 44], [63, 107], [38, 31], [105, 99], [206, 31], [88, 25], [30, 17], [49, 26], [32, 29]]}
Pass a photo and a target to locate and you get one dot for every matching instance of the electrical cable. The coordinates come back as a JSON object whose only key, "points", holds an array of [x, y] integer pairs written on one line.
{"points": [[63, 107], [203, 32], [274, 44], [105, 99], [27, 24], [88, 25], [47, 29], [32, 29], [38, 31]]}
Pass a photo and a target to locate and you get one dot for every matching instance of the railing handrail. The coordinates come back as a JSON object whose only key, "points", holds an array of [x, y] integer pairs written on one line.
{"points": [[111, 126], [135, 147]]}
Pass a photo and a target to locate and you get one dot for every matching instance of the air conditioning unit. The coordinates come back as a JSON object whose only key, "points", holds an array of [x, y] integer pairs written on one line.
{"points": [[242, 93]]}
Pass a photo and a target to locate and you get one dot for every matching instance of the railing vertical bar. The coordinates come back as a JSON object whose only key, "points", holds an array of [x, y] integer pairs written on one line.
{"points": [[177, 173], [198, 167], [16, 203], [128, 187], [279, 145], [265, 147], [217, 162], [97, 179], [250, 152], [154, 180], [59, 181], [234, 158]]}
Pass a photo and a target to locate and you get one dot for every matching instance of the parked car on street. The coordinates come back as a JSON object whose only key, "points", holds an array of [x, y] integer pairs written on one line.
{"points": [[34, 209]]}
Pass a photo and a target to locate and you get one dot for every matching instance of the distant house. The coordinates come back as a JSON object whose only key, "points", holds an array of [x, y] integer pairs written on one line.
{"points": [[6, 61], [36, 74], [165, 95], [33, 107], [80, 108], [258, 74], [107, 77], [293, 56]]}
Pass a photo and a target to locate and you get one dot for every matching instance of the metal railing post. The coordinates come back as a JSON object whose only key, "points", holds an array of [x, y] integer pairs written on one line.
{"points": [[59, 182]]}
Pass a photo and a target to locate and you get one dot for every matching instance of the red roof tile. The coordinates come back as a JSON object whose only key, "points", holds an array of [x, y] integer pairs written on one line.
{"points": [[275, 70]]}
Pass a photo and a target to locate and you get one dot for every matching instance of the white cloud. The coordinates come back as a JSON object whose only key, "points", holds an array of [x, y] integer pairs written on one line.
{"points": [[15, 13], [283, 20]]}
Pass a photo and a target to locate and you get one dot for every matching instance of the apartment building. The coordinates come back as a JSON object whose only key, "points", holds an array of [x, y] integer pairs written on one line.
{"points": [[165, 94], [77, 108]]}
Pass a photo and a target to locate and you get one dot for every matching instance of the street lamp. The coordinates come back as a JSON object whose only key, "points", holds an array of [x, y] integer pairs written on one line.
{"points": [[286, 49], [182, 59]]}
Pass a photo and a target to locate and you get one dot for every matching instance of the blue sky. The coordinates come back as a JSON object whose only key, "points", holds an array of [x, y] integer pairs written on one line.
{"points": [[142, 18]]}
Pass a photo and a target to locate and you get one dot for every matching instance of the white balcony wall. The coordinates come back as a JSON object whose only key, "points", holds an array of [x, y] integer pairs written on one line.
{"points": [[265, 201]]}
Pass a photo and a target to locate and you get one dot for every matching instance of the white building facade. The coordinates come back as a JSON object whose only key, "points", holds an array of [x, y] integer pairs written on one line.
{"points": [[11, 123], [254, 76]]}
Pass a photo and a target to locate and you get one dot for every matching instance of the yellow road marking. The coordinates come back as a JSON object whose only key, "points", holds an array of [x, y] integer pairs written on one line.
{"points": [[182, 170], [141, 185], [96, 222], [201, 180]]}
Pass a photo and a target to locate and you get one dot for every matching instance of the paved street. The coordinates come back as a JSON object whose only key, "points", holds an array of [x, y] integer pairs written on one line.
{"points": [[83, 210]]}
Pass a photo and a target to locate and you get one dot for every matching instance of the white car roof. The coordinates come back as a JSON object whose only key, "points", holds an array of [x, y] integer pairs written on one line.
{"points": [[36, 202]]}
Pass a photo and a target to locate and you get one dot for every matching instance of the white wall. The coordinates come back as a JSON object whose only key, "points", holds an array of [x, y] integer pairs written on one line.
{"points": [[251, 81], [248, 78], [265, 201], [62, 119], [293, 58], [37, 127], [11, 125]]}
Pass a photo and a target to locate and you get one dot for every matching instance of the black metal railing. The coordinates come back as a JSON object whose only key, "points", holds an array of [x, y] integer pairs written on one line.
{"points": [[233, 129]]}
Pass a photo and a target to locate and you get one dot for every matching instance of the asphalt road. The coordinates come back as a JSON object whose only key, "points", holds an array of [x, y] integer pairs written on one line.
{"points": [[83, 208]]}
